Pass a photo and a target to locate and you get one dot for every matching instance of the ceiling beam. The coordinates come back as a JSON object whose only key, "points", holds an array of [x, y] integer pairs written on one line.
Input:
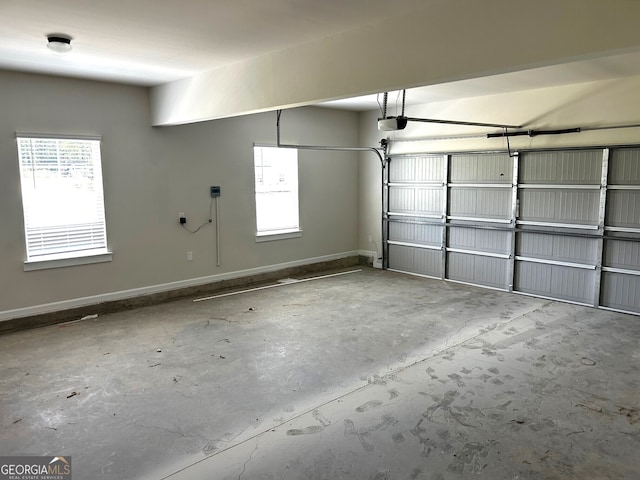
{"points": [[444, 41]]}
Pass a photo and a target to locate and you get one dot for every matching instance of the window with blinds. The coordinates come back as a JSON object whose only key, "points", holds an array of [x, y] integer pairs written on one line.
{"points": [[276, 187], [62, 196]]}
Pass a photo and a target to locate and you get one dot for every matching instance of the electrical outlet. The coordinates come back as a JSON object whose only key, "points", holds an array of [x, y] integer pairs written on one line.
{"points": [[214, 191], [182, 218], [189, 256]]}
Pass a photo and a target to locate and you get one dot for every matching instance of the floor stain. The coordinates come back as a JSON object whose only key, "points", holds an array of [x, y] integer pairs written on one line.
{"points": [[457, 378], [350, 429], [431, 374], [306, 430], [472, 457], [368, 405], [324, 421]]}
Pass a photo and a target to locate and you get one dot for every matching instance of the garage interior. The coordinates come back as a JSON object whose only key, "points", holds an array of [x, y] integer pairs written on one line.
{"points": [[459, 298]]}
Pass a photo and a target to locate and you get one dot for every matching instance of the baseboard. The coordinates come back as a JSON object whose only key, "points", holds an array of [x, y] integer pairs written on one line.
{"points": [[369, 257], [57, 312]]}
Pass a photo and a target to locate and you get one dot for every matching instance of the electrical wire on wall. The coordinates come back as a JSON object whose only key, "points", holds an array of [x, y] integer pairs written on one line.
{"points": [[218, 260], [209, 220]]}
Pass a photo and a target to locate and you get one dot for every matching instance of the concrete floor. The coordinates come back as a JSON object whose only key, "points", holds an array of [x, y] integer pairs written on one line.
{"points": [[367, 375]]}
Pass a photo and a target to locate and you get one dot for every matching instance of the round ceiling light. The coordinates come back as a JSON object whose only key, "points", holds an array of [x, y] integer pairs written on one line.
{"points": [[59, 43]]}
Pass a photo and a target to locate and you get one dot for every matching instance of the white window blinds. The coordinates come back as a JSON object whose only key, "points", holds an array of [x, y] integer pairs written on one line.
{"points": [[62, 196]]}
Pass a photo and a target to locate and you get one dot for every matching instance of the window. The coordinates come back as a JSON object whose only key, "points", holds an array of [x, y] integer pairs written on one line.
{"points": [[62, 199], [276, 176]]}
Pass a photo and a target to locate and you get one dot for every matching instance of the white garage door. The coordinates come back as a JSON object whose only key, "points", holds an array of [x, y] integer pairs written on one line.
{"points": [[559, 195], [621, 259], [562, 224]]}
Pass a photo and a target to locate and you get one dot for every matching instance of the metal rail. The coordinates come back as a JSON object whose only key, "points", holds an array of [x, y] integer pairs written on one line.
{"points": [[380, 152]]}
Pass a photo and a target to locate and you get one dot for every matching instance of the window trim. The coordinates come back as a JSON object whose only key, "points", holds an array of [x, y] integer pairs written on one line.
{"points": [[62, 136], [78, 257], [283, 233], [65, 260], [277, 235]]}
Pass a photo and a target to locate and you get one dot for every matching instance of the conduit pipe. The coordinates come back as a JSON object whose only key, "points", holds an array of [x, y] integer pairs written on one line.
{"points": [[218, 260]]}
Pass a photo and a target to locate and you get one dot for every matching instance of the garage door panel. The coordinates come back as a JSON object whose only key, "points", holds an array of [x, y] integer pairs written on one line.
{"points": [[622, 254], [481, 168], [553, 281], [416, 233], [417, 169], [624, 166], [623, 208], [476, 269], [562, 167], [493, 241], [620, 291], [542, 228], [416, 200], [415, 260], [481, 203], [560, 206], [557, 247]]}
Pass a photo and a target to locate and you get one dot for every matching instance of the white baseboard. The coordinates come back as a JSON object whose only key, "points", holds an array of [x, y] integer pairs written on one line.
{"points": [[368, 253], [165, 287], [375, 260]]}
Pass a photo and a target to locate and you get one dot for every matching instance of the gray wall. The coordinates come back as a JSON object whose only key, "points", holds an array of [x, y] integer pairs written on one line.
{"points": [[151, 174]]}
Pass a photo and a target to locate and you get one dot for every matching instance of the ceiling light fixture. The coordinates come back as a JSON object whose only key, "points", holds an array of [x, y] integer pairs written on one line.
{"points": [[59, 43]]}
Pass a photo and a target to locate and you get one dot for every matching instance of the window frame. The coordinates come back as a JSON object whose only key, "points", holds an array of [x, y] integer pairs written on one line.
{"points": [[69, 257], [284, 233]]}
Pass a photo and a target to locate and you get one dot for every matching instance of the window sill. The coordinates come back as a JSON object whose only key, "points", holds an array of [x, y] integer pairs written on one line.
{"points": [[268, 237], [63, 260]]}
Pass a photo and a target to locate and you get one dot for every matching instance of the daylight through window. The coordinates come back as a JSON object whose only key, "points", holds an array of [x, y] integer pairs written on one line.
{"points": [[62, 197], [276, 182]]}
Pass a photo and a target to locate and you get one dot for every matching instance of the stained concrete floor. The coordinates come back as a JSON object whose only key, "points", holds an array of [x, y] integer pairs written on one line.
{"points": [[367, 375]]}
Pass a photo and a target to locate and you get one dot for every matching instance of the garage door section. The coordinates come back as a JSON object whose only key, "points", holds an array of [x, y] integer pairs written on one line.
{"points": [[452, 216], [560, 219], [415, 217], [558, 224], [479, 217], [620, 286]]}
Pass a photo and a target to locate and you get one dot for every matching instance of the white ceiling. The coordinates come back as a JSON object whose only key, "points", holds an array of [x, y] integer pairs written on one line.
{"points": [[151, 42], [603, 68]]}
